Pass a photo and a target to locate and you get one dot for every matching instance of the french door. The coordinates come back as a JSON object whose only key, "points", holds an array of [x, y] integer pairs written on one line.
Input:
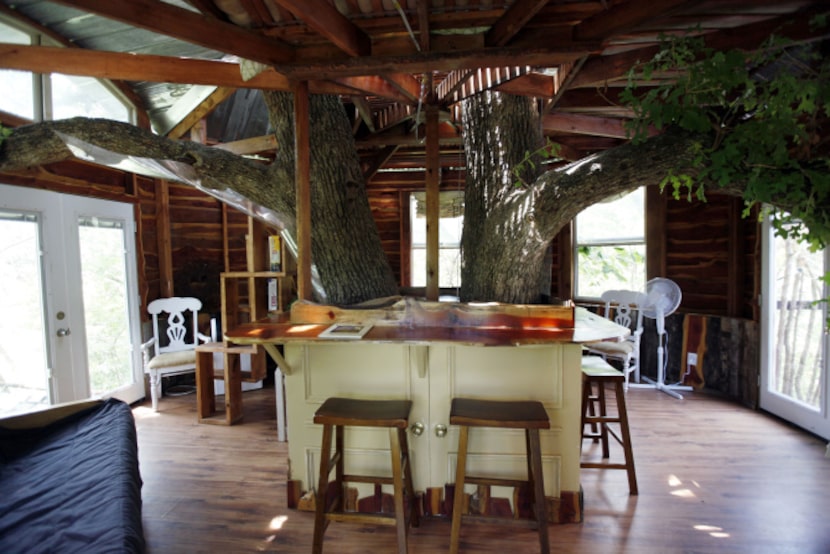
{"points": [[794, 341], [69, 323]]}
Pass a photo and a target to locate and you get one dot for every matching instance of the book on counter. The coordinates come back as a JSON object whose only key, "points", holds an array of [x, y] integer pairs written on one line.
{"points": [[350, 331]]}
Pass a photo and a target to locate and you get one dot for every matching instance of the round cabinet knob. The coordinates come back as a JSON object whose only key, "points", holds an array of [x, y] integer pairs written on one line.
{"points": [[440, 430], [63, 332], [417, 428]]}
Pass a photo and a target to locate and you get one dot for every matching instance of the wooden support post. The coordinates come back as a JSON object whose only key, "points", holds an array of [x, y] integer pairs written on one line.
{"points": [[165, 250], [433, 185], [302, 146]]}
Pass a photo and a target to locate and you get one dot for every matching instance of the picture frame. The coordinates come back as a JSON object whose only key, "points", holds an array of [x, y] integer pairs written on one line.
{"points": [[347, 331]]}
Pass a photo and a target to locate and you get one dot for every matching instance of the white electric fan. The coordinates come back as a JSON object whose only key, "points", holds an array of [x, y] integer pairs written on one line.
{"points": [[662, 299]]}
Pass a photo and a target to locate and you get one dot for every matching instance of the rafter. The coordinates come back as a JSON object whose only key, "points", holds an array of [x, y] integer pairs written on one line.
{"points": [[166, 19], [512, 21], [324, 18], [144, 67], [201, 111], [622, 17]]}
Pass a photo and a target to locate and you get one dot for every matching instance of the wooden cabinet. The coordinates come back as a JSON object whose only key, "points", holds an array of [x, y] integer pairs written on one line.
{"points": [[430, 376]]}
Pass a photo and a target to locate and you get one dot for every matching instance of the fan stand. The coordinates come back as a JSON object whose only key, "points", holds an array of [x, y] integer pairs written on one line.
{"points": [[660, 383]]}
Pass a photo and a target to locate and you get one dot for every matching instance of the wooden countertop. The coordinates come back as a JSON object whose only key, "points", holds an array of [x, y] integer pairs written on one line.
{"points": [[278, 330]]}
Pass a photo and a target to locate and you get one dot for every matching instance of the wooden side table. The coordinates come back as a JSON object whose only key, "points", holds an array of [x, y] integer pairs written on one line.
{"points": [[232, 376]]}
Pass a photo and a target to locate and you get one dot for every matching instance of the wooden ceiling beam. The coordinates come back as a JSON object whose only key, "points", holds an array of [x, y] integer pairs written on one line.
{"points": [[584, 125], [379, 160], [183, 24], [622, 17], [512, 21], [324, 18], [364, 110], [371, 85], [407, 84], [145, 67], [253, 145], [201, 111]]}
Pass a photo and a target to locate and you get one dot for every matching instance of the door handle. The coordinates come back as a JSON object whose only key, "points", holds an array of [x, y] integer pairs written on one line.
{"points": [[417, 428], [64, 331], [440, 430]]}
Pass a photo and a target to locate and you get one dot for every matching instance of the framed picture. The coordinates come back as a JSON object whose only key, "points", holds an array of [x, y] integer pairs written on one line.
{"points": [[345, 331]]}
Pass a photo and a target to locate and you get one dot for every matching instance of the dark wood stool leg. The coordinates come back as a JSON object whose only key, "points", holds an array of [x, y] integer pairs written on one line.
{"points": [[415, 518], [339, 467], [603, 427], [320, 522], [397, 485], [626, 439], [458, 499], [535, 455]]}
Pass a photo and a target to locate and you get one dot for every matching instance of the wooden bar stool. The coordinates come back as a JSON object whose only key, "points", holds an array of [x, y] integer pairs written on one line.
{"points": [[596, 371], [528, 415], [334, 415]]}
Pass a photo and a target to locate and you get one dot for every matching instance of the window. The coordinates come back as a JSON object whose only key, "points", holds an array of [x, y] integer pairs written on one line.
{"points": [[56, 96], [610, 246], [16, 87], [449, 238]]}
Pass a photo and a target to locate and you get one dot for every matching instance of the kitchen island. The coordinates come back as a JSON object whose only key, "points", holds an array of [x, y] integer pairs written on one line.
{"points": [[430, 353]]}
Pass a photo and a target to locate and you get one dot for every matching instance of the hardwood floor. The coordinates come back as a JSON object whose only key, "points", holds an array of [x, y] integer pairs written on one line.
{"points": [[713, 477]]}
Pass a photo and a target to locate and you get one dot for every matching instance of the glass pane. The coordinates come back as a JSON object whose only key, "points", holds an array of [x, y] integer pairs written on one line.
{"points": [[627, 213], [602, 268], [85, 96], [799, 322], [104, 277], [24, 384], [449, 267], [16, 87]]}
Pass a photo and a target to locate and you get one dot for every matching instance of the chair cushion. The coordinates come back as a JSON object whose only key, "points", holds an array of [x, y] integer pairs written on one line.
{"points": [[621, 348], [170, 359]]}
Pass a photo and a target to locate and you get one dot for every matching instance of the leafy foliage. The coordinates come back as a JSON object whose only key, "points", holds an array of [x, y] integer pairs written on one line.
{"points": [[763, 118], [4, 133]]}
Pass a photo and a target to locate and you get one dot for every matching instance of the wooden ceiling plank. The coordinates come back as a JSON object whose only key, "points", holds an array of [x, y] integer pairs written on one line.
{"points": [[512, 21], [207, 7], [186, 25], [622, 17], [423, 25], [374, 86], [253, 145], [324, 18], [380, 160], [201, 111], [584, 125], [532, 84], [365, 112], [406, 84]]}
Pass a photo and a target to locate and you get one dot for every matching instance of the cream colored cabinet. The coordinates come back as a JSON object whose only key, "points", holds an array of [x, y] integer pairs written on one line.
{"points": [[431, 376]]}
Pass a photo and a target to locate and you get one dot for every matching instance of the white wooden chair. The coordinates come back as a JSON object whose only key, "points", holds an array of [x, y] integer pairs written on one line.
{"points": [[173, 351], [626, 308]]}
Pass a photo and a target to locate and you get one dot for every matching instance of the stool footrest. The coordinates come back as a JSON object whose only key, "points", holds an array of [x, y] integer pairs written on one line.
{"points": [[600, 465], [493, 481], [355, 517], [496, 520], [368, 479]]}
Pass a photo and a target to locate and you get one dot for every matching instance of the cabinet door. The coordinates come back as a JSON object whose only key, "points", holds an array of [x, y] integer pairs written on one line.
{"points": [[355, 370], [511, 373]]}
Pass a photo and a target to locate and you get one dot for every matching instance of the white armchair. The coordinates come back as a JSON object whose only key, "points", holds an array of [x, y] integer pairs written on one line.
{"points": [[626, 308], [172, 352]]}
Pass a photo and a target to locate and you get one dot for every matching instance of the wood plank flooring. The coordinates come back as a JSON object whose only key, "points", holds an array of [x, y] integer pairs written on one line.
{"points": [[714, 478]]}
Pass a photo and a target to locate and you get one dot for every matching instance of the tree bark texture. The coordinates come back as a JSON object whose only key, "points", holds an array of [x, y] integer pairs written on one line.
{"points": [[502, 250], [346, 248]]}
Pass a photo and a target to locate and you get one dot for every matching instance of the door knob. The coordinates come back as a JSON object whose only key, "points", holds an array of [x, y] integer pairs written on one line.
{"points": [[440, 430], [417, 428], [63, 332]]}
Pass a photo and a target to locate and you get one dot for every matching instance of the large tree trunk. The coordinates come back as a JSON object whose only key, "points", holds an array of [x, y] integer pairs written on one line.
{"points": [[502, 251], [345, 245]]}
